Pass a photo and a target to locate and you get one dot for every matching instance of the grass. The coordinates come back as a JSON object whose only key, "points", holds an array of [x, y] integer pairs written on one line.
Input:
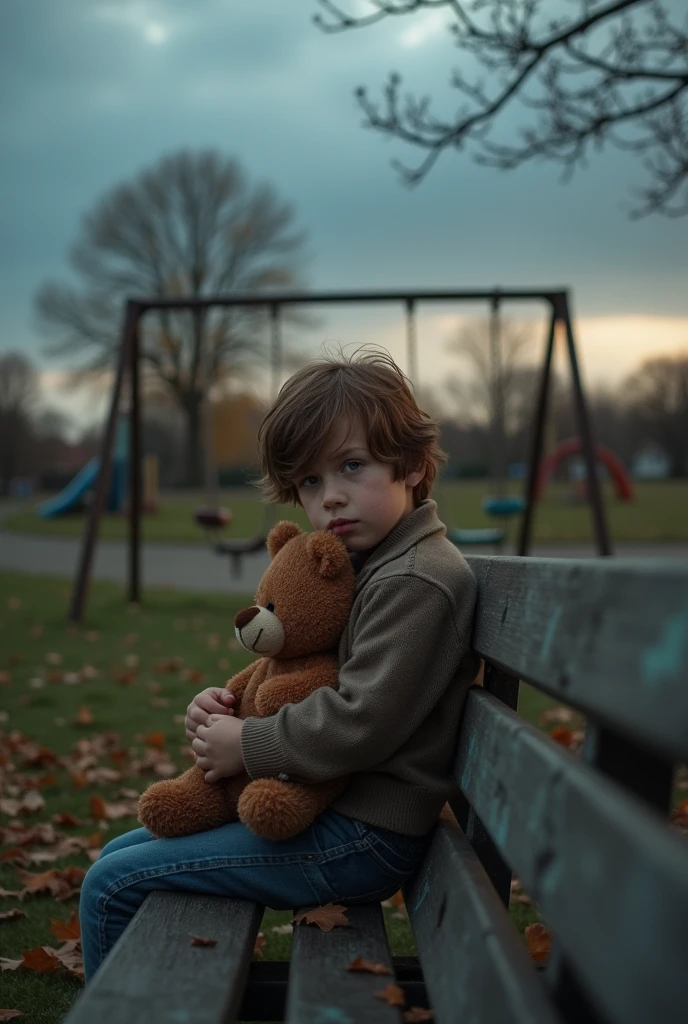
{"points": [[132, 696], [658, 513]]}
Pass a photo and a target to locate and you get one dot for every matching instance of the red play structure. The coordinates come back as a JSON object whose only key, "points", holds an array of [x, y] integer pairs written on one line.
{"points": [[574, 446]]}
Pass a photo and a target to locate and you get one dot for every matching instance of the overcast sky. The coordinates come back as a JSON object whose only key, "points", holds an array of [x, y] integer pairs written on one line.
{"points": [[92, 91]]}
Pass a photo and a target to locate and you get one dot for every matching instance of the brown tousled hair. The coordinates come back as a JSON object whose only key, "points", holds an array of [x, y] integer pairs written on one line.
{"points": [[367, 386]]}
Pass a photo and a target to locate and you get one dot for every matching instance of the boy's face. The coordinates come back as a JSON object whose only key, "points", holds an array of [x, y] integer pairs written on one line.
{"points": [[351, 493]]}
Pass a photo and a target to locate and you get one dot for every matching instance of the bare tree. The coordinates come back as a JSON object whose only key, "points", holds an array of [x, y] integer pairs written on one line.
{"points": [[18, 396], [498, 355], [657, 399], [615, 71], [189, 225]]}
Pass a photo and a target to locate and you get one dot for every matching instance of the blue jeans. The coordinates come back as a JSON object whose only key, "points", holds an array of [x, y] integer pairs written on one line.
{"points": [[337, 859]]}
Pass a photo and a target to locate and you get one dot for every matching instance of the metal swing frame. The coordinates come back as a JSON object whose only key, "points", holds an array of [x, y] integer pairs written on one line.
{"points": [[128, 365]]}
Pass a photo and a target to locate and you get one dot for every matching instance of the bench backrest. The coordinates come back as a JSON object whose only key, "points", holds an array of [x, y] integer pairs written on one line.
{"points": [[588, 836]]}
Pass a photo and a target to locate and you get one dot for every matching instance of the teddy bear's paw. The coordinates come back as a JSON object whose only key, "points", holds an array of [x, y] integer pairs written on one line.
{"points": [[166, 810], [277, 810]]}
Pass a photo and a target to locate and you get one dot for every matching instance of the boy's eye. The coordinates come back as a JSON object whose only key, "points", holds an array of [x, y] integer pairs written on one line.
{"points": [[309, 481], [271, 606], [353, 465]]}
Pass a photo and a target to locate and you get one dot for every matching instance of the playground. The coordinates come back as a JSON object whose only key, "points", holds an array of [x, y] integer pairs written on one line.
{"points": [[658, 513]]}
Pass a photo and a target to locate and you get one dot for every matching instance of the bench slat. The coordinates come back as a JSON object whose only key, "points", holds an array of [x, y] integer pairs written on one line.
{"points": [[322, 991], [155, 974], [609, 875], [475, 963], [610, 638]]}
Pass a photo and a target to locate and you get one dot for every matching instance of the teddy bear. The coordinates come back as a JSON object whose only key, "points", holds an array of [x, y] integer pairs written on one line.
{"points": [[301, 607]]}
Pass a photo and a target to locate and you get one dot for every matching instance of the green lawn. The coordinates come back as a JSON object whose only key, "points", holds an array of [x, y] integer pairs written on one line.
{"points": [[117, 666], [658, 513]]}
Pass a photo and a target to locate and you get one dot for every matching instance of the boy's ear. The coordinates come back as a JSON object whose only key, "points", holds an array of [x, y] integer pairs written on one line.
{"points": [[329, 552], [415, 476], [280, 534]]}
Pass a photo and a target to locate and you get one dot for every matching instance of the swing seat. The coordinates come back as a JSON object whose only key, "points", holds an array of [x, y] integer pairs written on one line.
{"points": [[503, 506], [213, 518]]}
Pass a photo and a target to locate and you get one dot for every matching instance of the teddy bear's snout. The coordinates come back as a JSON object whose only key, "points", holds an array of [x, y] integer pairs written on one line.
{"points": [[244, 617], [259, 630]]}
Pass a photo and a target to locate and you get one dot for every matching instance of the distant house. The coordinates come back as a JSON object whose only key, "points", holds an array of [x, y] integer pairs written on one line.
{"points": [[651, 462]]}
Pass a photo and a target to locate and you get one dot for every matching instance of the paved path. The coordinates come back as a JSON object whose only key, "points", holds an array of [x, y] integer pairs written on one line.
{"points": [[191, 567]]}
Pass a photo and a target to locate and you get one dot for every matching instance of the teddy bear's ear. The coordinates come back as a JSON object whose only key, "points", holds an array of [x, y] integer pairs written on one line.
{"points": [[280, 534], [329, 552]]}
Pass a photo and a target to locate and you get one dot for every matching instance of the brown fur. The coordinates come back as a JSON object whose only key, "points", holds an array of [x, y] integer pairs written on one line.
{"points": [[310, 582]]}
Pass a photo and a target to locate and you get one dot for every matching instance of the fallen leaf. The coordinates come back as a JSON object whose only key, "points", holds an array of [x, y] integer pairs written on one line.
{"points": [[360, 964], [53, 658], [197, 940], [60, 883], [417, 1015], [85, 716], [259, 944], [392, 995], [41, 960], [14, 856], [98, 808], [10, 892], [560, 734], [66, 819], [12, 915], [557, 714], [326, 918], [282, 929], [9, 965], [5, 678], [155, 739], [66, 930], [538, 941], [10, 1014]]}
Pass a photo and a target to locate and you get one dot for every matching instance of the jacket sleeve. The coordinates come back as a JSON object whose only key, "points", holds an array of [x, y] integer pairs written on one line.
{"points": [[409, 638]]}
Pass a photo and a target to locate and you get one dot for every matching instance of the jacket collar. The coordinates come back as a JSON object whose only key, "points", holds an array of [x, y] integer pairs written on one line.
{"points": [[421, 523]]}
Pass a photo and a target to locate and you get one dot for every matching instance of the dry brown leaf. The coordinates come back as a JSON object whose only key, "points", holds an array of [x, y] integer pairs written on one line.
{"points": [[60, 883], [40, 959], [558, 714], [10, 1014], [417, 1015], [66, 930], [155, 739], [15, 856], [85, 716], [197, 940], [12, 915], [538, 941], [5, 678], [10, 892], [98, 808], [392, 995], [326, 918], [31, 802], [9, 965], [361, 964], [560, 734], [259, 944], [66, 819]]}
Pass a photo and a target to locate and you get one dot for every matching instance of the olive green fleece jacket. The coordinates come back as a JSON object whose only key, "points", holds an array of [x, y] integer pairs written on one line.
{"points": [[405, 666]]}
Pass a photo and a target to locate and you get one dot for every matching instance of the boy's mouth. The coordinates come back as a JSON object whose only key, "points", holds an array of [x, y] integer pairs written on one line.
{"points": [[341, 526]]}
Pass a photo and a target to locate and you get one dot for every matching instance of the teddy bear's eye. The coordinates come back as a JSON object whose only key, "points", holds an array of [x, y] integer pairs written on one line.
{"points": [[271, 606]]}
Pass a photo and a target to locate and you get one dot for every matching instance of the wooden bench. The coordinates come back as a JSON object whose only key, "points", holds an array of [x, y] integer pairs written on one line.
{"points": [[587, 836]]}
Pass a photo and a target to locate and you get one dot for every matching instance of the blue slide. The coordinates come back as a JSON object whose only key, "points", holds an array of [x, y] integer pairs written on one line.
{"points": [[73, 493]]}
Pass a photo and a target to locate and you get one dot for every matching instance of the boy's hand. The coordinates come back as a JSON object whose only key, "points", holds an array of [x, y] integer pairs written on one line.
{"points": [[218, 747], [213, 701]]}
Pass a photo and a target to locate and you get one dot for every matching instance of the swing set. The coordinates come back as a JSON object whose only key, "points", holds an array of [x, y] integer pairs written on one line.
{"points": [[213, 519]]}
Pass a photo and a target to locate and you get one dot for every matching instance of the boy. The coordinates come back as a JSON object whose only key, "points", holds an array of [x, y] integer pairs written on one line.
{"points": [[346, 440]]}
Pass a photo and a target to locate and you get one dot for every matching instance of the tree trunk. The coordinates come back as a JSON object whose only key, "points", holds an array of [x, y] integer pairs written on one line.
{"points": [[194, 439]]}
